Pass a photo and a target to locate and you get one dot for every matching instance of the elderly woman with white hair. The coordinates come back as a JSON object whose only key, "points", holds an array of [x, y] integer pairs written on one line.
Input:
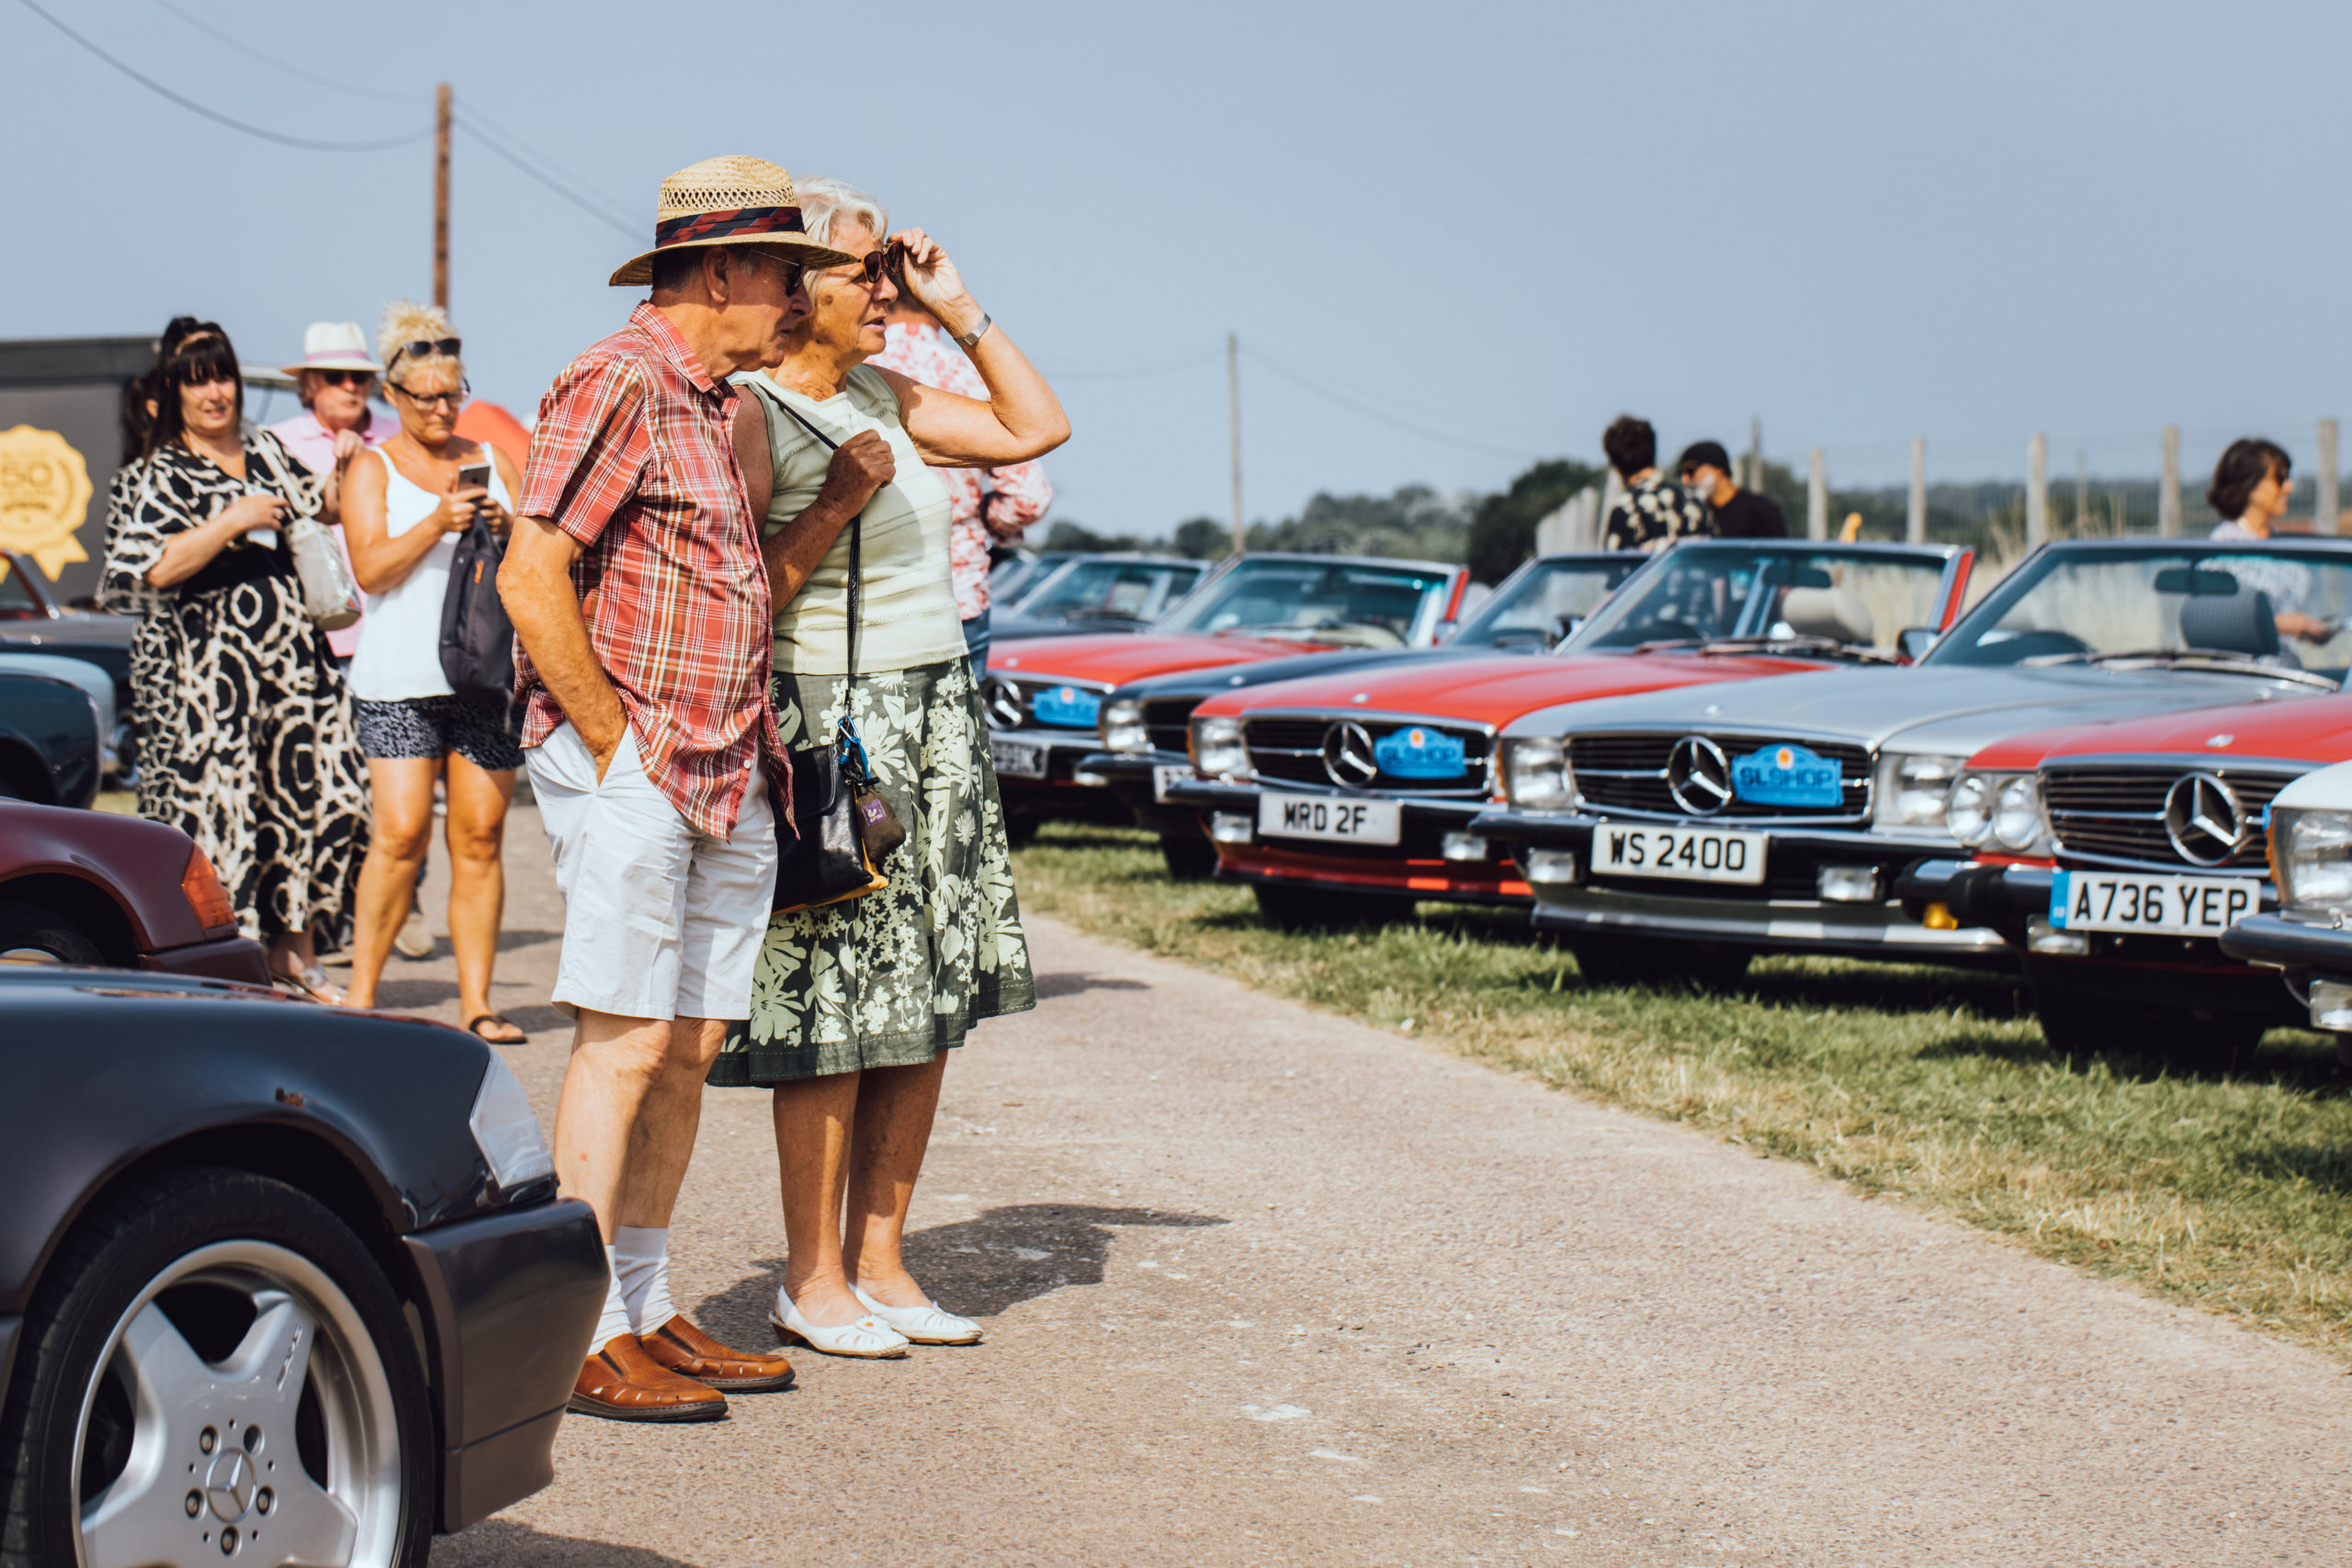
{"points": [[855, 1004], [404, 504]]}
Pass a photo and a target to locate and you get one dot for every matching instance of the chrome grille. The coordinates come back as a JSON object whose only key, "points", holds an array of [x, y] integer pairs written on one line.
{"points": [[1289, 747], [2117, 812], [1627, 772], [1166, 718]]}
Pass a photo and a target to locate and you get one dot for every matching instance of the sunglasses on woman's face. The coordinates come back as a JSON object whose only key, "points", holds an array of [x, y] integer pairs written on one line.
{"points": [[890, 259], [427, 348]]}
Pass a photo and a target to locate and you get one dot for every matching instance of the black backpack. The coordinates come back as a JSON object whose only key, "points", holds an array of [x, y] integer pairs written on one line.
{"points": [[476, 639]]}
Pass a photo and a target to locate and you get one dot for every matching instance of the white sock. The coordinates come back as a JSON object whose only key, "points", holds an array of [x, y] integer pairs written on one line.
{"points": [[615, 1323], [641, 1269]]}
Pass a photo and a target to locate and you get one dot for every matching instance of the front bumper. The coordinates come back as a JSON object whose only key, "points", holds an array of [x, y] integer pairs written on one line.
{"points": [[1133, 777], [1783, 914], [1415, 867], [512, 1301], [225, 958], [2277, 942]]}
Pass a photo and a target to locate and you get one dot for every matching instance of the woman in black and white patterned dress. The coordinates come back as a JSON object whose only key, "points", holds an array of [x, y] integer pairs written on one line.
{"points": [[245, 733]]}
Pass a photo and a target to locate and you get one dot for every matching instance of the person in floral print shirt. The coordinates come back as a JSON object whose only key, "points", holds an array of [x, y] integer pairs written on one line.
{"points": [[992, 506], [1655, 512]]}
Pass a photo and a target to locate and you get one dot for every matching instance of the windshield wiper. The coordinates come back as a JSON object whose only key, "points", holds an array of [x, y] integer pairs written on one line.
{"points": [[2202, 658], [1830, 645]]}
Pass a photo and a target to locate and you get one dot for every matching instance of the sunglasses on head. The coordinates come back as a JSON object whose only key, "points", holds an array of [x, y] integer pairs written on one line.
{"points": [[427, 348]]}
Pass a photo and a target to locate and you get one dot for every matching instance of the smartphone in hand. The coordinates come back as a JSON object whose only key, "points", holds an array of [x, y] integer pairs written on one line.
{"points": [[474, 476]]}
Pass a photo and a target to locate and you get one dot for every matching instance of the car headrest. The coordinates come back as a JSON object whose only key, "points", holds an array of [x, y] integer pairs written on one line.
{"points": [[1832, 613], [2240, 623]]}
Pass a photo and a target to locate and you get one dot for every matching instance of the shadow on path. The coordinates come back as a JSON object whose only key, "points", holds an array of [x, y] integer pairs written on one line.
{"points": [[1071, 981], [510, 1542], [978, 1266]]}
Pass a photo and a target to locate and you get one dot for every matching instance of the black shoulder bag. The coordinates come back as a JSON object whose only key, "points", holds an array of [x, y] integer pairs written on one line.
{"points": [[476, 639], [845, 829]]}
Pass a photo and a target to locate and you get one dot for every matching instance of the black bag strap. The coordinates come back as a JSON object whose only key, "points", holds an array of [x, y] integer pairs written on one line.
{"points": [[857, 544]]}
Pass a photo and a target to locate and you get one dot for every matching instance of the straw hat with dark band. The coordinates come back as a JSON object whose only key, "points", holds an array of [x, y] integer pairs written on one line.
{"points": [[728, 201]]}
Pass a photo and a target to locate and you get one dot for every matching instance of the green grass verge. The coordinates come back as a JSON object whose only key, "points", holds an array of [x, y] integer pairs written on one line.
{"points": [[2228, 1191]]}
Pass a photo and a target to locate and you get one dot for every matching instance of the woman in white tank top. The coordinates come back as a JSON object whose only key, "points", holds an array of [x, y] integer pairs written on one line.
{"points": [[404, 503]]}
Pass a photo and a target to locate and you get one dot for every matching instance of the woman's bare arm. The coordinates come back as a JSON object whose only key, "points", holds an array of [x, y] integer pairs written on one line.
{"points": [[862, 465], [1020, 418], [380, 560]]}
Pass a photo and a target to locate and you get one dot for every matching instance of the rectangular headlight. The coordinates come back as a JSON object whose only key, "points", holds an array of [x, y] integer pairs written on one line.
{"points": [[1535, 772], [1123, 728], [2311, 860], [506, 1131], [1218, 750], [1914, 787]]}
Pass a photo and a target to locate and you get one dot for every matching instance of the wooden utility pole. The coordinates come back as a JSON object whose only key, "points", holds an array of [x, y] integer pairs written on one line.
{"points": [[2036, 490], [441, 196], [2168, 489], [2325, 507], [1914, 521], [1233, 418]]}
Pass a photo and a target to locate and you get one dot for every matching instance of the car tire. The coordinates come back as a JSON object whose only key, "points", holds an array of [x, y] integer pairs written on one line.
{"points": [[1189, 858], [155, 1359], [1659, 964], [1316, 908], [28, 930]]}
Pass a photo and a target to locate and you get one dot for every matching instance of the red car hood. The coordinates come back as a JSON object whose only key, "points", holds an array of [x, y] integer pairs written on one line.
{"points": [[1497, 690], [2311, 729], [1114, 659]]}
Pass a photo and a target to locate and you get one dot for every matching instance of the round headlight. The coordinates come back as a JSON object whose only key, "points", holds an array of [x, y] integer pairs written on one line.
{"points": [[2016, 815], [1970, 814]]}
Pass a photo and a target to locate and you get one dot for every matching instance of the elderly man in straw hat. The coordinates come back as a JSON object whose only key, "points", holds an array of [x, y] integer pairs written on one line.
{"points": [[638, 587]]}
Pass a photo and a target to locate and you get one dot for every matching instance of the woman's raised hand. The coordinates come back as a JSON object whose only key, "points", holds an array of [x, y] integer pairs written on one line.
{"points": [[861, 465], [248, 513], [931, 278]]}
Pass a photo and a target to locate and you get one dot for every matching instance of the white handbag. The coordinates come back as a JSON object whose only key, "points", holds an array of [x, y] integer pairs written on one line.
{"points": [[329, 595]]}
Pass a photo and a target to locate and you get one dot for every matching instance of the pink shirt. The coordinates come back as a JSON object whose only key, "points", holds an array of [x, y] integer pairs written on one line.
{"points": [[312, 445], [990, 503]]}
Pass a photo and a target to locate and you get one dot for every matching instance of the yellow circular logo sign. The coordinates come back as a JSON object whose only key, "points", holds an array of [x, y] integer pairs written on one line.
{"points": [[44, 495]]}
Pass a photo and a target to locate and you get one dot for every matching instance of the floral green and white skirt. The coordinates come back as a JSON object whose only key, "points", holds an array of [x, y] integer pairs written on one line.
{"points": [[891, 979]]}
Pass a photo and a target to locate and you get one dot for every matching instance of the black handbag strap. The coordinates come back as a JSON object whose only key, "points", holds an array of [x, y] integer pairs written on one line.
{"points": [[857, 544]]}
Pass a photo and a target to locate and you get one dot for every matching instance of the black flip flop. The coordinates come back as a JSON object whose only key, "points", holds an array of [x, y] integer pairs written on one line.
{"points": [[473, 1027]]}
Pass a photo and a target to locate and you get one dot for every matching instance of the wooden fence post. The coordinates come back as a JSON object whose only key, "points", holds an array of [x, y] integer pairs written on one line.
{"points": [[1756, 455], [2324, 505], [1914, 522], [2036, 490], [2168, 491], [1817, 497]]}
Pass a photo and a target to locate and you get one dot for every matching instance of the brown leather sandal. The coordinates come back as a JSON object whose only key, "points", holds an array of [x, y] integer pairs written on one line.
{"points": [[621, 1382], [688, 1352]]}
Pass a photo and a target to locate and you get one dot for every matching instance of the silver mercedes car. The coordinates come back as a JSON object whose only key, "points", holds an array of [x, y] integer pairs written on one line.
{"points": [[1677, 834]]}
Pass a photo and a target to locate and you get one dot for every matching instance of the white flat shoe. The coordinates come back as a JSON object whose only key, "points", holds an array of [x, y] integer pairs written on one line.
{"points": [[925, 1325], [867, 1340]]}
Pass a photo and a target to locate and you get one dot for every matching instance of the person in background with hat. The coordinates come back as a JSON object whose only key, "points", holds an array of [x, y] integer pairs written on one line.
{"points": [[1705, 472], [639, 594]]}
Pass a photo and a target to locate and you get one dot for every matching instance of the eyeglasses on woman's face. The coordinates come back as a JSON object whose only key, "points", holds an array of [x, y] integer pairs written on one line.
{"points": [[450, 400]]}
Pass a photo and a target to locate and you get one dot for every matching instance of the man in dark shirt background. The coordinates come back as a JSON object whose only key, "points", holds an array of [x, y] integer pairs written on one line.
{"points": [[1705, 470]]}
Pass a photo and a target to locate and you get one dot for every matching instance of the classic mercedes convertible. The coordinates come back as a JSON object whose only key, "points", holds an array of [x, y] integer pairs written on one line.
{"points": [[1341, 795], [1679, 833]]}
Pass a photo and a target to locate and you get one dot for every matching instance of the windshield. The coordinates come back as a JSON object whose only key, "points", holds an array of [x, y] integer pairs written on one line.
{"points": [[2256, 604], [1113, 589], [1538, 607], [16, 602], [1351, 604], [1827, 600]]}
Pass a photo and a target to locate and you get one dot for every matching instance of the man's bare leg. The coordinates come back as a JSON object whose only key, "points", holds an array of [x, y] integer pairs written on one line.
{"points": [[616, 1064], [662, 1142]]}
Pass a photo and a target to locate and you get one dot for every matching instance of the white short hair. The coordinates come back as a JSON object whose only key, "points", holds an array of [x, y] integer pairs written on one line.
{"points": [[824, 199]]}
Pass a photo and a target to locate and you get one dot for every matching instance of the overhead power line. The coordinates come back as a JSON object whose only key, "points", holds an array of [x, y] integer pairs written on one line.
{"points": [[474, 128], [306, 142], [250, 52], [1370, 411]]}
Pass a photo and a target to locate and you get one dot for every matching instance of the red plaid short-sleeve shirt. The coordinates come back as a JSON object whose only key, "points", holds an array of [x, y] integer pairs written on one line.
{"points": [[634, 457]]}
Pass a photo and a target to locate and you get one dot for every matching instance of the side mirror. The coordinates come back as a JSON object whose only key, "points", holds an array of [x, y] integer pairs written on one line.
{"points": [[1911, 645]]}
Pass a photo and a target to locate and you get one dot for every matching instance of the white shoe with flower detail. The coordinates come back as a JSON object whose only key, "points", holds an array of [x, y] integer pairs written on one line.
{"points": [[925, 1325], [866, 1339]]}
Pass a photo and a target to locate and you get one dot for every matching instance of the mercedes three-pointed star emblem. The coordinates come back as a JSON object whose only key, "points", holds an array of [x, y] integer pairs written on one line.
{"points": [[1698, 775], [1347, 755], [2204, 819]]}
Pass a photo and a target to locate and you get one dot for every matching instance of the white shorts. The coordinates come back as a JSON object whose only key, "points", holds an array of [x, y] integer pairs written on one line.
{"points": [[661, 921]]}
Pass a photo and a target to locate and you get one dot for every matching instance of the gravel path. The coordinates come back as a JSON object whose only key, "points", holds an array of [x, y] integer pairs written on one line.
{"points": [[1266, 1287]]}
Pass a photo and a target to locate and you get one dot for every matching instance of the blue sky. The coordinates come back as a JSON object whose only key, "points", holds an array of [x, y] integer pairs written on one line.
{"points": [[1500, 225]]}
